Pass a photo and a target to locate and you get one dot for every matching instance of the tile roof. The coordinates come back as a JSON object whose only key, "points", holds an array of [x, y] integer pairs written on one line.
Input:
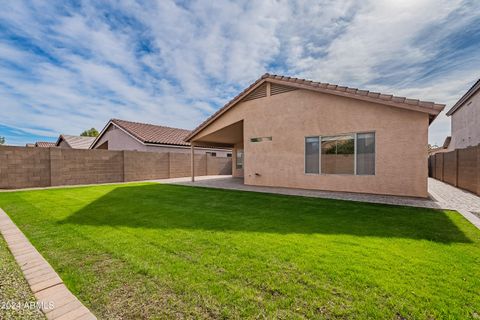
{"points": [[473, 89], [150, 133], [76, 142], [44, 144], [427, 106]]}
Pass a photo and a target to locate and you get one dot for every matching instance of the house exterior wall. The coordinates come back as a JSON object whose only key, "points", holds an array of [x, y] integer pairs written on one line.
{"points": [[63, 144], [119, 140], [401, 142], [466, 124]]}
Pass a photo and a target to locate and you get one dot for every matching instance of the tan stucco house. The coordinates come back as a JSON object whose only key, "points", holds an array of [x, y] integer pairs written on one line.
{"points": [[465, 116], [289, 132], [128, 135]]}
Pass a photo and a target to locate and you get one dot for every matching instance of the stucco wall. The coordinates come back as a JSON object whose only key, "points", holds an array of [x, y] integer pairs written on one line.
{"points": [[119, 140], [63, 144], [401, 142], [466, 124]]}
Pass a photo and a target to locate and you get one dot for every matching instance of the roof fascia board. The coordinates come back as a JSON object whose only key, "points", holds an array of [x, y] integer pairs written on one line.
{"points": [[470, 93], [432, 111], [357, 97]]}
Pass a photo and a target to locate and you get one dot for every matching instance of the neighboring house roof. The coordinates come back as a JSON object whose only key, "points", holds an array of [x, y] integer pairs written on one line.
{"points": [[75, 142], [149, 133], [473, 89], [433, 109], [447, 141], [44, 144], [443, 148]]}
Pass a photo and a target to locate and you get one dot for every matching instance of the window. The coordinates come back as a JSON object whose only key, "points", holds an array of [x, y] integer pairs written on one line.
{"points": [[213, 154], [239, 160], [341, 154], [229, 155], [260, 139], [366, 153], [312, 155], [338, 154]]}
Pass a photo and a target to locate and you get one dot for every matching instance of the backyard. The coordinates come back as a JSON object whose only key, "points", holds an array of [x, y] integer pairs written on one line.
{"points": [[148, 250]]}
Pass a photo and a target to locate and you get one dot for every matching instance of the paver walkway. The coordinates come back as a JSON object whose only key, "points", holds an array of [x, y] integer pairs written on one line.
{"points": [[442, 195], [54, 299]]}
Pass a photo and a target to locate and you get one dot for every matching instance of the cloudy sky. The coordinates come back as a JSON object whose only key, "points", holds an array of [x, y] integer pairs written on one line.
{"points": [[69, 66]]}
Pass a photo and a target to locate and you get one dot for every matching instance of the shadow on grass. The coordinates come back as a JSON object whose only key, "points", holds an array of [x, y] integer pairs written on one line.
{"points": [[179, 207]]}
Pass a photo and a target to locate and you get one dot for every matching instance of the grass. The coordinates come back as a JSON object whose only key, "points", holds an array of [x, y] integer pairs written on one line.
{"points": [[164, 251], [16, 299]]}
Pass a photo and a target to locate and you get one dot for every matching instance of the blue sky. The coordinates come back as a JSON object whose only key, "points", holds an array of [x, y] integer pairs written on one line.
{"points": [[68, 66]]}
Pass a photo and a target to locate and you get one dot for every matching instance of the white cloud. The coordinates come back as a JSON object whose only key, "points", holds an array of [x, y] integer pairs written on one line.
{"points": [[70, 68]]}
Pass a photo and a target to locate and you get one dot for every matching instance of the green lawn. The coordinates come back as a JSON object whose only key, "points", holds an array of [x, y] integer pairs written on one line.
{"points": [[164, 251]]}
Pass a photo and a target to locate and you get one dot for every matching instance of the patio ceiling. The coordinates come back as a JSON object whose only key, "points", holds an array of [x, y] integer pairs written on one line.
{"points": [[225, 137]]}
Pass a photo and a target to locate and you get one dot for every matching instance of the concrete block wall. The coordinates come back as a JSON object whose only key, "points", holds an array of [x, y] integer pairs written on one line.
{"points": [[460, 168], [439, 166], [468, 169], [218, 165], [75, 166], [450, 167], [145, 165], [22, 167]]}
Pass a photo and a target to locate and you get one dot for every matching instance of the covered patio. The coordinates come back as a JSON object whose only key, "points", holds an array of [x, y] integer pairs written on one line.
{"points": [[230, 136]]}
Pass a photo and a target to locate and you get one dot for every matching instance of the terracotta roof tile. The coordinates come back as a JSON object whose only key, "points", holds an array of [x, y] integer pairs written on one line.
{"points": [[44, 144], [76, 142], [150, 133], [381, 98]]}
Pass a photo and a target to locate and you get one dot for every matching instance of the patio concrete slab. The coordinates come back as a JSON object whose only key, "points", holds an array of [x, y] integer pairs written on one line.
{"points": [[54, 298], [442, 195]]}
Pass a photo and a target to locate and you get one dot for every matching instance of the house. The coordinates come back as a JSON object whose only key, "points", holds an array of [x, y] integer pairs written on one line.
{"points": [[446, 147], [30, 145], [289, 132], [74, 142], [44, 144], [127, 135], [466, 119]]}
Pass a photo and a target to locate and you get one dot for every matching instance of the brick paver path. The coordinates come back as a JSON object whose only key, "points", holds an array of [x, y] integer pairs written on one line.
{"points": [[55, 300], [442, 195]]}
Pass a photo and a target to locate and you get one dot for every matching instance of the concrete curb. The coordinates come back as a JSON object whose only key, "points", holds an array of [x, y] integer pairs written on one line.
{"points": [[53, 297]]}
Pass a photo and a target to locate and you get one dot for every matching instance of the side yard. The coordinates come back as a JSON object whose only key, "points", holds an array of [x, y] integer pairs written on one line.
{"points": [[169, 251]]}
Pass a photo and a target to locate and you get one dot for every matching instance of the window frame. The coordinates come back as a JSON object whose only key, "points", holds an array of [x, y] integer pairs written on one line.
{"points": [[355, 134], [305, 155], [236, 159]]}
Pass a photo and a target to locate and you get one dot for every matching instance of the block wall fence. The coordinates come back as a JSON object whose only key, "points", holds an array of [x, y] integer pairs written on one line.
{"points": [[460, 168], [22, 167]]}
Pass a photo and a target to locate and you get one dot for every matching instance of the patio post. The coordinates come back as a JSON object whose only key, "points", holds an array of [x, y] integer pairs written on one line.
{"points": [[192, 160]]}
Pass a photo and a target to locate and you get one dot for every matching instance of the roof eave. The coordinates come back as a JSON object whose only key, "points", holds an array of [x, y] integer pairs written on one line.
{"points": [[433, 111], [472, 91]]}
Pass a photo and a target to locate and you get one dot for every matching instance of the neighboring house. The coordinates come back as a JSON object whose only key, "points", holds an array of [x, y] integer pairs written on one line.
{"points": [[74, 142], [30, 145], [289, 132], [446, 147], [466, 119], [127, 135], [44, 144]]}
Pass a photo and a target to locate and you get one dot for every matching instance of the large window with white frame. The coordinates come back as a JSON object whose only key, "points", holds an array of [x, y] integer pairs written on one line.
{"points": [[352, 153]]}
